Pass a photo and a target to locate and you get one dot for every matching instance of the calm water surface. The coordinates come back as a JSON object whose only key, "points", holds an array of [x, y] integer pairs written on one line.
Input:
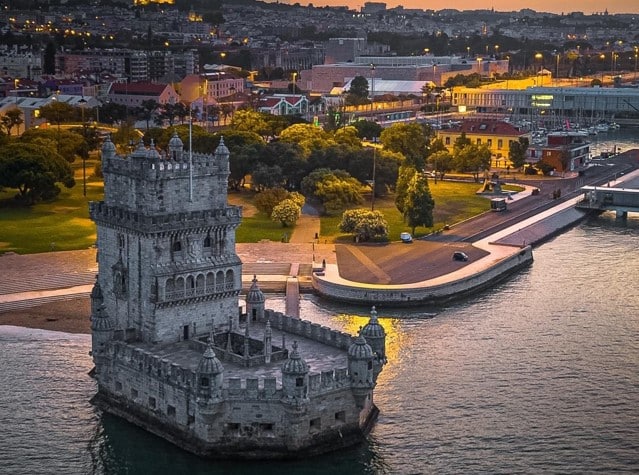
{"points": [[539, 375]]}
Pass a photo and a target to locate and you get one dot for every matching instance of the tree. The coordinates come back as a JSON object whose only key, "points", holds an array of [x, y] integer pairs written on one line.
{"points": [[517, 152], [147, 110], [347, 136], [251, 121], [419, 203], [67, 143], [58, 112], [34, 171], [287, 212], [268, 199], [358, 93], [409, 140], [364, 224], [404, 178], [441, 162], [336, 189], [265, 176], [11, 119], [367, 129], [307, 136]]}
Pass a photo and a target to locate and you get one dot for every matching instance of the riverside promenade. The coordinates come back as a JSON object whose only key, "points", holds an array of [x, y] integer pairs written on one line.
{"points": [[35, 284]]}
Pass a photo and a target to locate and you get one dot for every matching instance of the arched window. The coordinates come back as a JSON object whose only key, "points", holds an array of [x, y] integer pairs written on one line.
{"points": [[177, 246], [204, 382], [207, 241]]}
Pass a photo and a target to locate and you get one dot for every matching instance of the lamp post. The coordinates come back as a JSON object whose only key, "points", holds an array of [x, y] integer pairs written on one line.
{"points": [[557, 68], [373, 180], [15, 88], [479, 66], [82, 103], [496, 51], [372, 87], [295, 82], [636, 55], [539, 56]]}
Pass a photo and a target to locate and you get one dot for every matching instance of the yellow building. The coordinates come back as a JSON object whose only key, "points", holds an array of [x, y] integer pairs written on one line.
{"points": [[496, 134]]}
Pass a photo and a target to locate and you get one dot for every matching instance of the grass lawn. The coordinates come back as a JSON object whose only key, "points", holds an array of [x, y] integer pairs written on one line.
{"points": [[62, 224], [454, 202]]}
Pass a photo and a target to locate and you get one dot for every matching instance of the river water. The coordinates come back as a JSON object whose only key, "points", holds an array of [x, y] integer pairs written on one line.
{"points": [[538, 375]]}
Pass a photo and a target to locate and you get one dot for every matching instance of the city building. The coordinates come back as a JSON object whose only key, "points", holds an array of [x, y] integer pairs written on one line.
{"points": [[135, 93], [496, 134], [175, 354], [562, 150]]}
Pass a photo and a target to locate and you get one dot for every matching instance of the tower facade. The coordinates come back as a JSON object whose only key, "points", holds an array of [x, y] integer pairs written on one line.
{"points": [[166, 243]]}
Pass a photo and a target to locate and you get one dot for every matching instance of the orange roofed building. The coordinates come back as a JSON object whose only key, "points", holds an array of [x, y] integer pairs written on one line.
{"points": [[133, 94], [496, 134]]}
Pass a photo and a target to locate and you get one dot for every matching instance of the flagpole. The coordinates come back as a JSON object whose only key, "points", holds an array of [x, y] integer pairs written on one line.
{"points": [[191, 153]]}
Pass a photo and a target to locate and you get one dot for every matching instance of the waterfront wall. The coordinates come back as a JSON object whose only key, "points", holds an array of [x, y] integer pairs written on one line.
{"points": [[425, 292]]}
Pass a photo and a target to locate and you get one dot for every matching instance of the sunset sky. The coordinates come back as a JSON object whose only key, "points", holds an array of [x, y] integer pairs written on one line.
{"points": [[554, 6]]}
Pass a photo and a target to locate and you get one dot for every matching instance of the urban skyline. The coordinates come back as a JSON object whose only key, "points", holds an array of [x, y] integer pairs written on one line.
{"points": [[588, 7]]}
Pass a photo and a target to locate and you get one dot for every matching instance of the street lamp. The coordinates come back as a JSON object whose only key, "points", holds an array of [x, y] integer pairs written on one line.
{"points": [[636, 55], [557, 68], [496, 51], [602, 57], [82, 103], [479, 66], [15, 88], [539, 56], [295, 82], [372, 86]]}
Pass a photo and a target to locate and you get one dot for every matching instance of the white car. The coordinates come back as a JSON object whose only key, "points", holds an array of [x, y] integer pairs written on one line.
{"points": [[406, 237]]}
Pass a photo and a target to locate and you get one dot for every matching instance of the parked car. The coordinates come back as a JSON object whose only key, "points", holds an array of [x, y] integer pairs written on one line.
{"points": [[460, 256], [406, 237]]}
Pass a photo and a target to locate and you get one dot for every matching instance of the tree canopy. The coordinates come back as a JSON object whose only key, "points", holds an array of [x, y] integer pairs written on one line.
{"points": [[34, 170]]}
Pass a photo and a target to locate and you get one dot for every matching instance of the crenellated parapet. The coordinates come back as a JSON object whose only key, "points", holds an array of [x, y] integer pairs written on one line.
{"points": [[314, 331], [154, 367], [145, 224]]}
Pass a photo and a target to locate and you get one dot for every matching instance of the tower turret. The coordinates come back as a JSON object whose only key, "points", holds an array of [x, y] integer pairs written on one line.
{"points": [[101, 328], [255, 302], [295, 376], [108, 148], [375, 336], [222, 156], [210, 374], [360, 368], [176, 148]]}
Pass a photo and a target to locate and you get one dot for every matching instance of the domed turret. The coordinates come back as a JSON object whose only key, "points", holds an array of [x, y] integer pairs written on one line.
{"points": [[255, 302], [222, 155], [360, 363], [108, 148], [209, 374], [176, 147], [295, 375], [375, 336], [101, 334], [153, 153]]}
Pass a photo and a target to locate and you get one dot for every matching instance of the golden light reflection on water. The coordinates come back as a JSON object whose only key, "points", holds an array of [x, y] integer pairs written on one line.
{"points": [[396, 337]]}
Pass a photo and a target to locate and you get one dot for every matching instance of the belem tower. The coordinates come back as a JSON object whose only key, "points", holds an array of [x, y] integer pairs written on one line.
{"points": [[175, 354]]}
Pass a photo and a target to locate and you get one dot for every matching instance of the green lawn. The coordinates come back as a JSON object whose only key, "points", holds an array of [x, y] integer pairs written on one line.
{"points": [[454, 202], [64, 224]]}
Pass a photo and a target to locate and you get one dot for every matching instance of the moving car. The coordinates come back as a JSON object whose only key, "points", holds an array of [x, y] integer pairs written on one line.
{"points": [[460, 256], [406, 237]]}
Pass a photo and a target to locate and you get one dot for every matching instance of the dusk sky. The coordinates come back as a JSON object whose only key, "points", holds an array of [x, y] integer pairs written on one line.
{"points": [[554, 6]]}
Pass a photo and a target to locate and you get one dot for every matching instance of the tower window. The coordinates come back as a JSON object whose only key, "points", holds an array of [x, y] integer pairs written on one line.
{"points": [[177, 246], [207, 241], [299, 382], [204, 382]]}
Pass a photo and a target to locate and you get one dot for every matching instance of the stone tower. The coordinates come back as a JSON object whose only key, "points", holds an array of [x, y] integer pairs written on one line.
{"points": [[375, 336], [166, 243]]}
